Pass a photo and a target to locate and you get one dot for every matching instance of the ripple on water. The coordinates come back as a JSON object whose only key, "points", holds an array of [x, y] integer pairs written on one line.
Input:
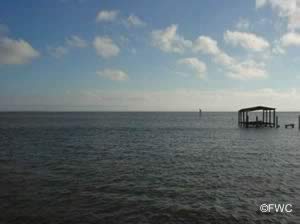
{"points": [[145, 168]]}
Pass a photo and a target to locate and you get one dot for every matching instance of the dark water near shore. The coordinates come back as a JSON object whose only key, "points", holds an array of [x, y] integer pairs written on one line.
{"points": [[145, 168]]}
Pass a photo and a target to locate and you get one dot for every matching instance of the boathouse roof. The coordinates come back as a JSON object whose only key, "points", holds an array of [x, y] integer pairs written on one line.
{"points": [[256, 108]]}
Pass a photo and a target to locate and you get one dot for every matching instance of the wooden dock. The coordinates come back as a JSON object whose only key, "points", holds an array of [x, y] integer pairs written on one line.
{"points": [[267, 119]]}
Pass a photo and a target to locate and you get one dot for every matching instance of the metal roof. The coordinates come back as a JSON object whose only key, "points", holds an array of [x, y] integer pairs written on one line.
{"points": [[256, 108]]}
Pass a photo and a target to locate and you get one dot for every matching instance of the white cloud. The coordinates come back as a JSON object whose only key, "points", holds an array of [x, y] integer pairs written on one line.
{"points": [[168, 40], [248, 41], [58, 52], [260, 3], [242, 24], [105, 47], [134, 21], [224, 59], [206, 45], [294, 20], [71, 42], [247, 70], [290, 39], [75, 41], [289, 9], [242, 70], [235, 69], [16, 51], [113, 74], [107, 16], [195, 64]]}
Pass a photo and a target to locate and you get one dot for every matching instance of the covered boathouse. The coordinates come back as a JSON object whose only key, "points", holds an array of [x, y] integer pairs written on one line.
{"points": [[264, 117]]}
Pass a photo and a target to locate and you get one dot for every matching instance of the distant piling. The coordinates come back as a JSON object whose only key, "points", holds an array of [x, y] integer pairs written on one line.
{"points": [[299, 122]]}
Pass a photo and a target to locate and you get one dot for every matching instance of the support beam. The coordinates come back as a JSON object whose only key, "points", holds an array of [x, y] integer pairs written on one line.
{"points": [[240, 118]]}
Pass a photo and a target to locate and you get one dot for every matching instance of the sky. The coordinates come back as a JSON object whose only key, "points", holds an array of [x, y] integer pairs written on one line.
{"points": [[168, 55]]}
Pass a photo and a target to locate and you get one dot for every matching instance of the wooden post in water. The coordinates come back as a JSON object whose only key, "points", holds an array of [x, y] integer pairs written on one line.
{"points": [[277, 126], [299, 122], [274, 119], [247, 120], [270, 118], [256, 121]]}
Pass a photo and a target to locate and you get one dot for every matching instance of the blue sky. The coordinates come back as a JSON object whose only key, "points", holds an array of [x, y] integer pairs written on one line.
{"points": [[149, 55]]}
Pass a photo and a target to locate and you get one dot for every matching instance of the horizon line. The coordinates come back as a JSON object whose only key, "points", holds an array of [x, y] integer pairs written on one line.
{"points": [[129, 111]]}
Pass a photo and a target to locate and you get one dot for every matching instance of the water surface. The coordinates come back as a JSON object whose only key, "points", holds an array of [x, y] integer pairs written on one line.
{"points": [[145, 168]]}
